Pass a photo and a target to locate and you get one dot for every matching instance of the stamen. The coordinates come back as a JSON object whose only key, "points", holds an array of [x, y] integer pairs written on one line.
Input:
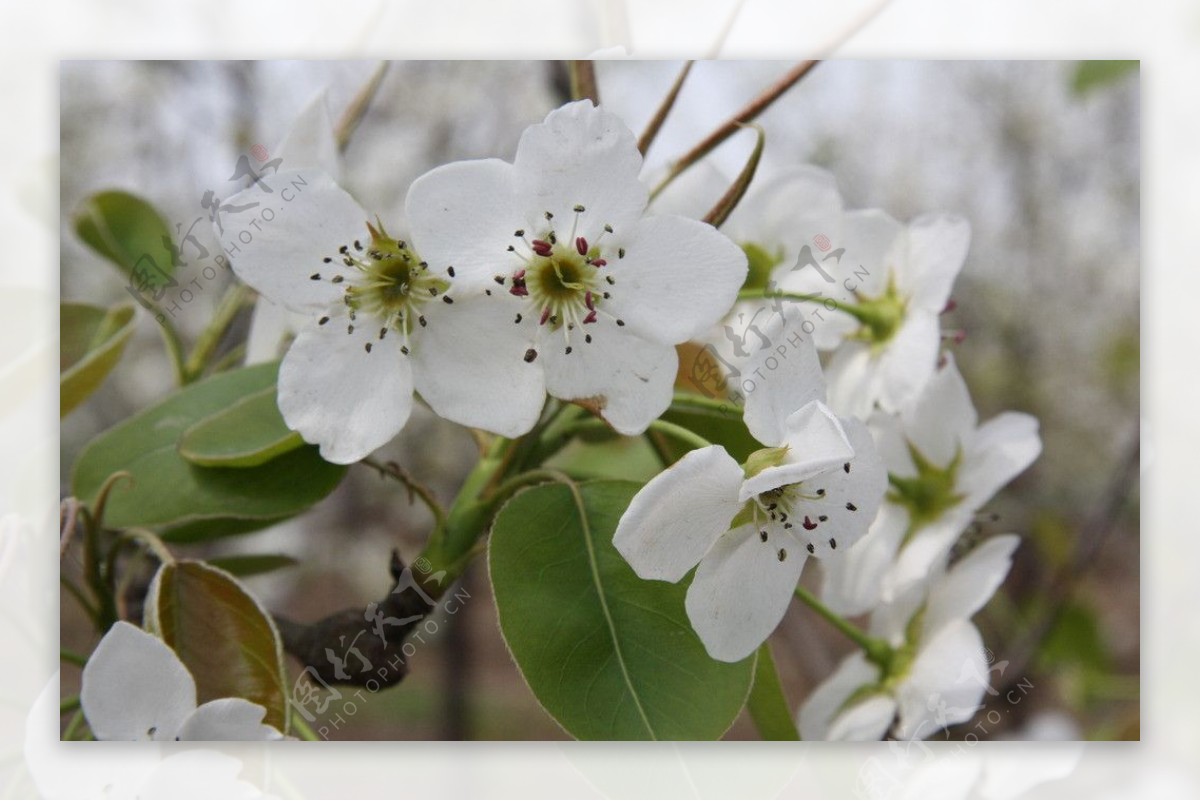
{"points": [[763, 535], [587, 338], [851, 506], [591, 317], [811, 549], [337, 279], [846, 467], [541, 247], [581, 245], [368, 347], [782, 554], [447, 299], [422, 321], [530, 354], [518, 320], [808, 524], [449, 270], [499, 279], [598, 262], [545, 316], [322, 321], [833, 543], [315, 277]]}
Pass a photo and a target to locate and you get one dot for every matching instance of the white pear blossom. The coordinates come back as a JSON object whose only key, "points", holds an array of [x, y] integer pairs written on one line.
{"points": [[937, 672], [346, 382], [812, 490], [943, 467], [309, 144], [569, 288], [893, 351], [135, 688]]}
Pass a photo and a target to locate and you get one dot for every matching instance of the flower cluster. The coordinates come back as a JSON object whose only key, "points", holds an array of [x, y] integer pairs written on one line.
{"points": [[514, 281], [546, 275], [879, 484]]}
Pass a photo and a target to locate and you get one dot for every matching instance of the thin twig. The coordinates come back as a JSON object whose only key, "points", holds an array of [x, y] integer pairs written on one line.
{"points": [[748, 112], [660, 115], [583, 81], [357, 109], [737, 190], [415, 488]]}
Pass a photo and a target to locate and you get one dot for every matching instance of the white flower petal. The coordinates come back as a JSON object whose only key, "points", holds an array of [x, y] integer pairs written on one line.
{"points": [[1000, 449], [854, 379], [339, 396], [135, 688], [469, 365], [907, 361], [277, 257], [228, 719], [945, 684], [937, 248], [626, 379], [852, 584], [816, 442], [580, 155], [741, 591], [845, 498], [677, 279], [463, 215], [871, 241], [825, 702], [891, 442], [674, 520], [310, 143], [927, 549], [970, 583], [787, 210], [786, 375], [196, 773], [942, 421], [866, 721], [272, 325]]}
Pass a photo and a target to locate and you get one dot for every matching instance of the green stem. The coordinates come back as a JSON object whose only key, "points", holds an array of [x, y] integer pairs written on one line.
{"points": [[859, 313], [876, 650], [73, 726], [231, 303], [173, 341], [688, 401], [75, 592], [303, 730], [72, 658], [684, 435], [767, 704], [68, 704]]}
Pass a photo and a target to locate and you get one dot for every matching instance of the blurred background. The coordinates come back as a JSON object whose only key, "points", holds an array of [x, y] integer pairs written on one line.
{"points": [[1041, 157]]}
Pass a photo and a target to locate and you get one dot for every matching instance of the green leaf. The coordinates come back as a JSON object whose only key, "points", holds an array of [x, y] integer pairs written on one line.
{"points": [[768, 705], [246, 434], [91, 340], [720, 428], [629, 458], [227, 641], [252, 564], [130, 233], [1091, 75], [609, 656], [189, 502]]}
